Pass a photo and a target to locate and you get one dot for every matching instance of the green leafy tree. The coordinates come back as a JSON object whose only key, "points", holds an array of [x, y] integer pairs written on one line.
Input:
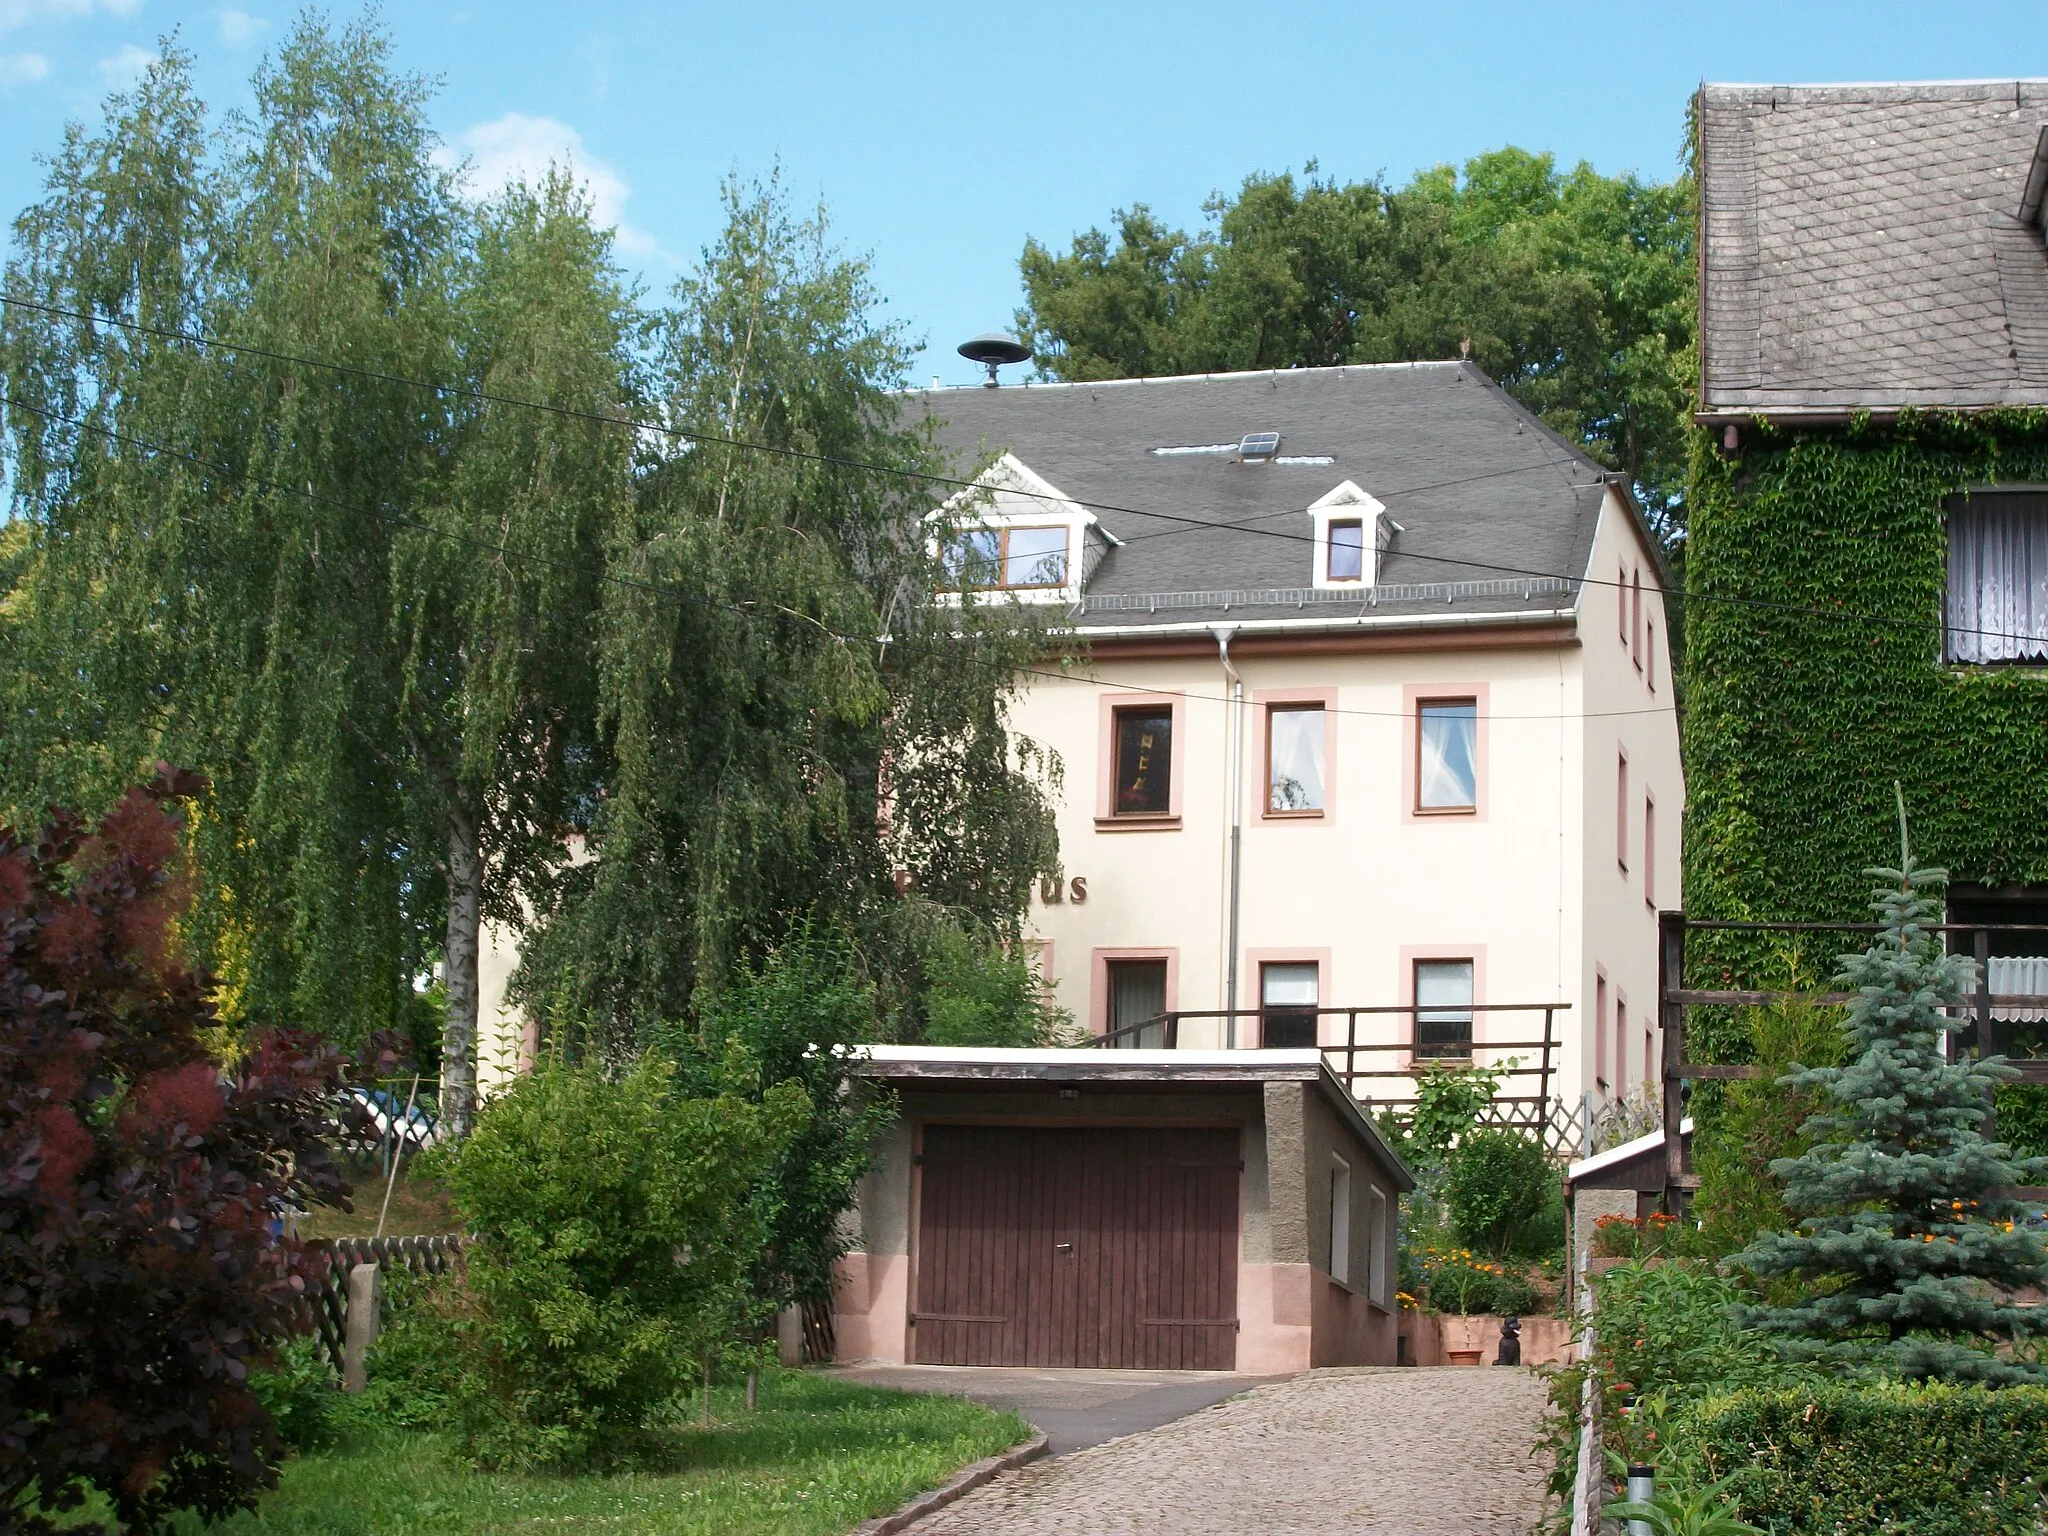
{"points": [[1756, 1124], [1910, 1250], [794, 1019], [979, 993], [1495, 1182], [365, 606], [1573, 289], [613, 1240], [794, 729]]}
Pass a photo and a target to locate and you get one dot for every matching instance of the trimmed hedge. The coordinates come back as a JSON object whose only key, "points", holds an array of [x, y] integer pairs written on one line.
{"points": [[1880, 1460]]}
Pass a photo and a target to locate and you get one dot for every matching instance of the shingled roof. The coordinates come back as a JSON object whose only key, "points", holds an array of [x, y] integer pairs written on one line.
{"points": [[1482, 491], [1863, 248]]}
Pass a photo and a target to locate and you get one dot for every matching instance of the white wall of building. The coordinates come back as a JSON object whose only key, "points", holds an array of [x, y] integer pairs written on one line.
{"points": [[1528, 887]]}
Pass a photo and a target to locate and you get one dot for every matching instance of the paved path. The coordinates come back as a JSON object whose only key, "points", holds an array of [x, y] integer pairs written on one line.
{"points": [[1075, 1408], [1390, 1452]]}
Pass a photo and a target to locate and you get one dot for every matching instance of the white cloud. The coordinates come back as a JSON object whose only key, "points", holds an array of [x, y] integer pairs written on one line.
{"points": [[238, 29], [22, 69], [19, 13], [521, 147], [123, 69]]}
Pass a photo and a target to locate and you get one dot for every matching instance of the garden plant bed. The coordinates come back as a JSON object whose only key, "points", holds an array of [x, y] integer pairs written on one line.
{"points": [[816, 1457]]}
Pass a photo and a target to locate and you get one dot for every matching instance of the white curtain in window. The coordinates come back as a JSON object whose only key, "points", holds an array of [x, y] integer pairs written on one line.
{"points": [[1450, 756], [1296, 750], [1289, 986], [1998, 577], [2018, 976]]}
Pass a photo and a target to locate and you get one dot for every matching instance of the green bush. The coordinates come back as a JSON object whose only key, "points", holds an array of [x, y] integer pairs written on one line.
{"points": [[1751, 1123], [299, 1389], [1880, 1460], [1495, 1182], [1668, 1328], [612, 1240], [1459, 1281], [978, 993], [2023, 1118]]}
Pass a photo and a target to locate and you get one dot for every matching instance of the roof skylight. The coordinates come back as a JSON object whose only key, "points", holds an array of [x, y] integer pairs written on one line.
{"points": [[1258, 446]]}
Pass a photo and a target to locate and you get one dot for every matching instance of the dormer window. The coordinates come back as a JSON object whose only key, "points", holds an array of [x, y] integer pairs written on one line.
{"points": [[1350, 529], [1258, 447], [1007, 559], [1347, 549]]}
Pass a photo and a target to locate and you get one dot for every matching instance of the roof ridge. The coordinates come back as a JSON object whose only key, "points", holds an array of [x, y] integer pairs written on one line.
{"points": [[1417, 365]]}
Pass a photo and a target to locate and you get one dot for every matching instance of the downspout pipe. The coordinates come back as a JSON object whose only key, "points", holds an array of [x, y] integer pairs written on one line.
{"points": [[1234, 753]]}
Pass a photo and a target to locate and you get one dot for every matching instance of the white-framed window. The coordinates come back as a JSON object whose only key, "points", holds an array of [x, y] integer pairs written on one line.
{"points": [[1350, 528], [1998, 578], [1010, 558], [1340, 1221], [1378, 1281], [1015, 536]]}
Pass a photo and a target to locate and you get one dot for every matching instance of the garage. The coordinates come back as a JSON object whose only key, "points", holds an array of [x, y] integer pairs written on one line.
{"points": [[1119, 1209], [1107, 1247]]}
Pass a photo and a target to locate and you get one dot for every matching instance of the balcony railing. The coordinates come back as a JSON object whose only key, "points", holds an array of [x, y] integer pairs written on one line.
{"points": [[1380, 1053]]}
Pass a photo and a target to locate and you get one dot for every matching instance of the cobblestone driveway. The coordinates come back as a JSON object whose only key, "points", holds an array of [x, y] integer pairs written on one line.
{"points": [[1398, 1452]]}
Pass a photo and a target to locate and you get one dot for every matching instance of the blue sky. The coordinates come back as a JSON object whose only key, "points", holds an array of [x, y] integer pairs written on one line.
{"points": [[939, 136]]}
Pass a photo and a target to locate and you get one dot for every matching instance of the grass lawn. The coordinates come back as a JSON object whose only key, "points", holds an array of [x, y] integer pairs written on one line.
{"points": [[816, 1457], [420, 1207]]}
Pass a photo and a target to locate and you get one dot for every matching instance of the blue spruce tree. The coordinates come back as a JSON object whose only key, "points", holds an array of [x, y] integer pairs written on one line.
{"points": [[1910, 1252]]}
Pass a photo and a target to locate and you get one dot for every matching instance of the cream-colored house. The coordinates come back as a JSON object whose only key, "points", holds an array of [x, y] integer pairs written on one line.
{"points": [[1376, 714]]}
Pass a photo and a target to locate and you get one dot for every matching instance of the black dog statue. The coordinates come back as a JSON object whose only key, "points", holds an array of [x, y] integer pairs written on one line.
{"points": [[1510, 1342]]}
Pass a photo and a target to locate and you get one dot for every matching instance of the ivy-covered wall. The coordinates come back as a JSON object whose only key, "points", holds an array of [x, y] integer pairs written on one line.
{"points": [[1822, 680], [1815, 579]]}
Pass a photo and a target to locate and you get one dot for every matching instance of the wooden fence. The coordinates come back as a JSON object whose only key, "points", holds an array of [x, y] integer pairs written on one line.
{"points": [[334, 1257]]}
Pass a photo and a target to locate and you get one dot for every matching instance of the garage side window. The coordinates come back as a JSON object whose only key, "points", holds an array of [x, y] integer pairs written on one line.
{"points": [[1376, 1246], [1340, 1221]]}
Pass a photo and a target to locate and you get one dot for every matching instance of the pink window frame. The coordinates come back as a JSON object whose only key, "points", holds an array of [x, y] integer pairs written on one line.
{"points": [[1098, 979], [1266, 700], [1649, 850], [1599, 1027], [1251, 984], [1620, 1043], [1622, 807], [1413, 697], [1476, 953], [1112, 701]]}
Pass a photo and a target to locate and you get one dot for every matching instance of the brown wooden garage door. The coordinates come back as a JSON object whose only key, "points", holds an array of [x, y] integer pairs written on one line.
{"points": [[1113, 1248]]}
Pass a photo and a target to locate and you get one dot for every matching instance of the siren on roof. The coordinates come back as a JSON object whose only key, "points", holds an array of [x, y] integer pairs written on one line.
{"points": [[993, 349]]}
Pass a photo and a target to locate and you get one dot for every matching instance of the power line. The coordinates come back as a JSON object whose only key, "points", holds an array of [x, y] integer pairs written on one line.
{"points": [[662, 589], [713, 439], [931, 478]]}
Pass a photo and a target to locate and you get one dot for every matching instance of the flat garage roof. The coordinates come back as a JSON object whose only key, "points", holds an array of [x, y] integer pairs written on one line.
{"points": [[1129, 1068]]}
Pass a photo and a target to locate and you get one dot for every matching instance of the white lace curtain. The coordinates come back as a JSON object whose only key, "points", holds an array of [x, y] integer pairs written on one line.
{"points": [[1998, 577]]}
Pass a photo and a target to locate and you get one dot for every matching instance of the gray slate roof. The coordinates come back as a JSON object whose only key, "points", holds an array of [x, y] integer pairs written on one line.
{"points": [[1474, 480], [1862, 248]]}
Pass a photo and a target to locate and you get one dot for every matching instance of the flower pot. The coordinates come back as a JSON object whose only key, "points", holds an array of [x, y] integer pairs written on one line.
{"points": [[1466, 1338]]}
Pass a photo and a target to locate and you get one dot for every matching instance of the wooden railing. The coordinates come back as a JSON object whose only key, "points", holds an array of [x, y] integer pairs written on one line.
{"points": [[1383, 1068], [1988, 1035]]}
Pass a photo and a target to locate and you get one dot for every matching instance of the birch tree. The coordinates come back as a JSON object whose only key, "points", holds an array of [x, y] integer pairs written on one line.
{"points": [[364, 605]]}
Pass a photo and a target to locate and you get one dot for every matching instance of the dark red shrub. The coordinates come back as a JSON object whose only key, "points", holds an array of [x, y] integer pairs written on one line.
{"points": [[141, 1186]]}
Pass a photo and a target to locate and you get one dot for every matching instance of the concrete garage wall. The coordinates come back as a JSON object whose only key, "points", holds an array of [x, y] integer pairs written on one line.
{"points": [[1292, 1313]]}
